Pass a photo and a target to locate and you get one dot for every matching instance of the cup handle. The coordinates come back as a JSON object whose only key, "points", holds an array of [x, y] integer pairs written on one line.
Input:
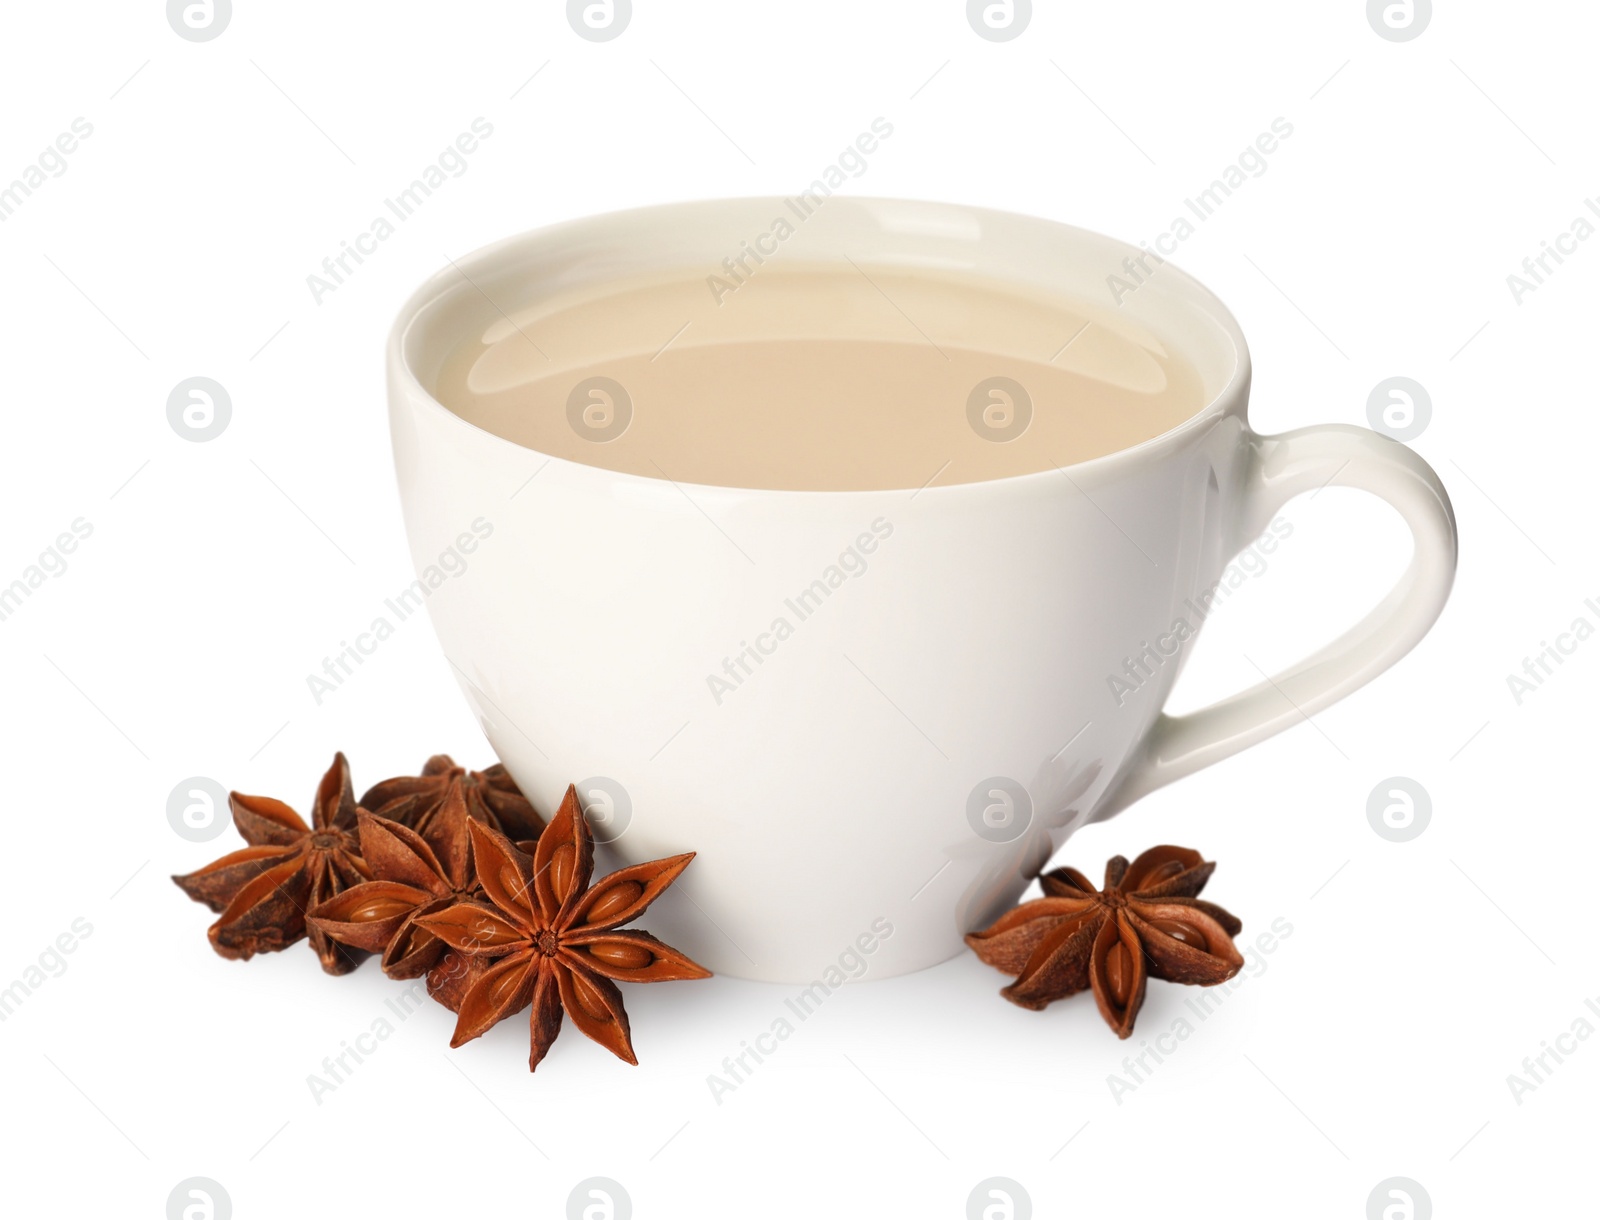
{"points": [[1278, 468]]}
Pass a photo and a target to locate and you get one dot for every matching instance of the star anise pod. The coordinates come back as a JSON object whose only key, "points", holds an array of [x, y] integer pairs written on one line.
{"points": [[557, 938], [492, 798], [1146, 922], [263, 891], [412, 876]]}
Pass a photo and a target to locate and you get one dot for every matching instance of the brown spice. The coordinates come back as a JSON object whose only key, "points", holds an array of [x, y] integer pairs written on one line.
{"points": [[1146, 922], [557, 940], [263, 891], [491, 797], [412, 876]]}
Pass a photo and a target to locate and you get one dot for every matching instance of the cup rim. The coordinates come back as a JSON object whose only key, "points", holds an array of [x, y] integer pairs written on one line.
{"points": [[1228, 398]]}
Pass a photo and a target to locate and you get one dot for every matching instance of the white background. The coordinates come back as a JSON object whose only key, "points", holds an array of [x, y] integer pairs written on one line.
{"points": [[1379, 1038]]}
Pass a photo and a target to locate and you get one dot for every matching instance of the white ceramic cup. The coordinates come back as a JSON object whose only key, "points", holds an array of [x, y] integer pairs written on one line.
{"points": [[902, 764]]}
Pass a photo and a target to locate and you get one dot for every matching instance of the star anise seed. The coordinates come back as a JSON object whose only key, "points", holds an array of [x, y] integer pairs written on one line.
{"points": [[1146, 922], [263, 891], [492, 798], [412, 876], [556, 937]]}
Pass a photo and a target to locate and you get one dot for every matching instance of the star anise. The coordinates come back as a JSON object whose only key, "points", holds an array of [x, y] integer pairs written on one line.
{"points": [[492, 798], [263, 891], [412, 876], [557, 938], [1146, 922]]}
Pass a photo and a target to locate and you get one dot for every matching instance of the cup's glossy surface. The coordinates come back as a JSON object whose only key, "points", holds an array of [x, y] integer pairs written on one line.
{"points": [[891, 769]]}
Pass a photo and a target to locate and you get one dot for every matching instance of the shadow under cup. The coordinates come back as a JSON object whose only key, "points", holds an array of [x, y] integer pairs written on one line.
{"points": [[729, 521]]}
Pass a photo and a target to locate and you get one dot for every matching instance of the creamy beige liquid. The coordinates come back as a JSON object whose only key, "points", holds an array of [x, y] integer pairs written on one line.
{"points": [[817, 377]]}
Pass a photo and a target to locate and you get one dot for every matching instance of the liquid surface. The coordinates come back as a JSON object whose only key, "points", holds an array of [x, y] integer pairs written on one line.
{"points": [[817, 377]]}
